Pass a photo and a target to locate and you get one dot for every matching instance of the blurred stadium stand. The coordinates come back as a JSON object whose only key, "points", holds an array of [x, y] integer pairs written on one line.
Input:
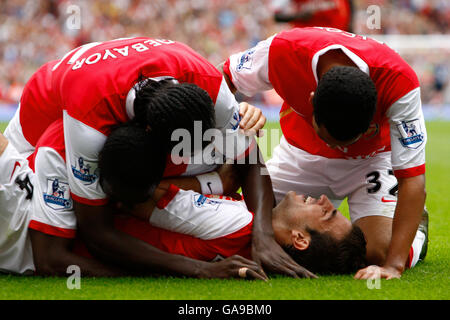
{"points": [[33, 32]]}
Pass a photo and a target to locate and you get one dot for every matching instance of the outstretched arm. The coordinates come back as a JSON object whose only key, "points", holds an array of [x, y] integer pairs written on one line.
{"points": [[110, 245], [131, 254]]}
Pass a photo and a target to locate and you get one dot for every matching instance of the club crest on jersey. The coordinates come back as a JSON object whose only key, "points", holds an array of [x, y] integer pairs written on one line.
{"points": [[373, 130], [86, 171], [57, 196], [411, 133], [200, 201], [245, 62]]}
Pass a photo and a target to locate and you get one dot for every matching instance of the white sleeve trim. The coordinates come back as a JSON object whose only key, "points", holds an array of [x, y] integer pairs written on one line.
{"points": [[250, 69], [52, 203], [206, 218], [83, 145], [226, 108], [408, 132]]}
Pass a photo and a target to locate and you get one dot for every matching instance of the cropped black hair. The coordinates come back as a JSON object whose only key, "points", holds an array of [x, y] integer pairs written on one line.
{"points": [[131, 163], [165, 106], [327, 255], [345, 102]]}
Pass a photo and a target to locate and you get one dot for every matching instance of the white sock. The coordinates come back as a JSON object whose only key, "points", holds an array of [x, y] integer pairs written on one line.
{"points": [[416, 248]]}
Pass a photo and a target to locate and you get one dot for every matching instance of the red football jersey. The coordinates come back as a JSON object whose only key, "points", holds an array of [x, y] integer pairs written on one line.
{"points": [[92, 88], [288, 61]]}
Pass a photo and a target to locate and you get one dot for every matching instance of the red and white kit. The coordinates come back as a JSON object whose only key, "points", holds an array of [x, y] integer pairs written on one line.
{"points": [[184, 222], [92, 88], [394, 145]]}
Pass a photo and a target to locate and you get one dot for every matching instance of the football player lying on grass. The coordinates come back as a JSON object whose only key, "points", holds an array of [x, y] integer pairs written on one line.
{"points": [[311, 231], [182, 222]]}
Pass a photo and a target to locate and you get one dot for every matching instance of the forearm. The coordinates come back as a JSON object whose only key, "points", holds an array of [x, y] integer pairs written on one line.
{"points": [[53, 255], [258, 193], [88, 267], [410, 205], [113, 246], [185, 183]]}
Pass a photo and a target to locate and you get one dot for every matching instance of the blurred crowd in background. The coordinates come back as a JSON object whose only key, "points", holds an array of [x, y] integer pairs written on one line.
{"points": [[33, 32]]}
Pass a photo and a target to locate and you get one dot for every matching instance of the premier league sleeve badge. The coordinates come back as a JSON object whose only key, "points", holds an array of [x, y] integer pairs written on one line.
{"points": [[411, 134]]}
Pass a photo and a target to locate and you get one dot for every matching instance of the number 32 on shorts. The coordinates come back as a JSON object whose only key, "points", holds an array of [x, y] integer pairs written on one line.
{"points": [[373, 178]]}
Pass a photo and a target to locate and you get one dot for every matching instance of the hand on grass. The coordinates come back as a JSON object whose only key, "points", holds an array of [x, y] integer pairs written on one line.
{"points": [[229, 268]]}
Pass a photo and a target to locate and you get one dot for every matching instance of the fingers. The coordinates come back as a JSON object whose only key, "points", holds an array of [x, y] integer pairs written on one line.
{"points": [[251, 274], [273, 258], [286, 265], [252, 119], [294, 270], [376, 272], [248, 269]]}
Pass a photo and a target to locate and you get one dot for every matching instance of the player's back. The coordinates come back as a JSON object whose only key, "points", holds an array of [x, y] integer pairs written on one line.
{"points": [[92, 83]]}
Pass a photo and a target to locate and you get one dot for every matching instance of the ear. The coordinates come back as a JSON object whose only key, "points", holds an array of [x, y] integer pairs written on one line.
{"points": [[311, 96], [300, 239]]}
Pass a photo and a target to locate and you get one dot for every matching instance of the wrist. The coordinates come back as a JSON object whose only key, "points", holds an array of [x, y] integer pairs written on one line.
{"points": [[260, 235], [210, 183], [201, 270], [398, 265]]}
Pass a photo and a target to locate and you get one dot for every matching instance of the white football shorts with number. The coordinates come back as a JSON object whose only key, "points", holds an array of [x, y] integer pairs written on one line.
{"points": [[370, 183]]}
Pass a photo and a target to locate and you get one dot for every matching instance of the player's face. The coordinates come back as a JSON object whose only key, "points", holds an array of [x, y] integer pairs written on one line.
{"points": [[323, 134], [317, 214]]}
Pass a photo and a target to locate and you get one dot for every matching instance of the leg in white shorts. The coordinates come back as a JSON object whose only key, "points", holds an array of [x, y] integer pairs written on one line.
{"points": [[16, 179]]}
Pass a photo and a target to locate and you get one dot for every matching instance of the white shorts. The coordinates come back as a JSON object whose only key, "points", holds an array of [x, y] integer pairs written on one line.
{"points": [[369, 184], [15, 200]]}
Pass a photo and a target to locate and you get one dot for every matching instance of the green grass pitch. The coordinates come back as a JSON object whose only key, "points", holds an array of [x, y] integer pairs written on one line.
{"points": [[428, 280]]}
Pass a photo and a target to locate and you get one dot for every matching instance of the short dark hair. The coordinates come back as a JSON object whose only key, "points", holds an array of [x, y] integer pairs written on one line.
{"points": [[166, 105], [345, 102], [131, 163], [327, 255]]}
